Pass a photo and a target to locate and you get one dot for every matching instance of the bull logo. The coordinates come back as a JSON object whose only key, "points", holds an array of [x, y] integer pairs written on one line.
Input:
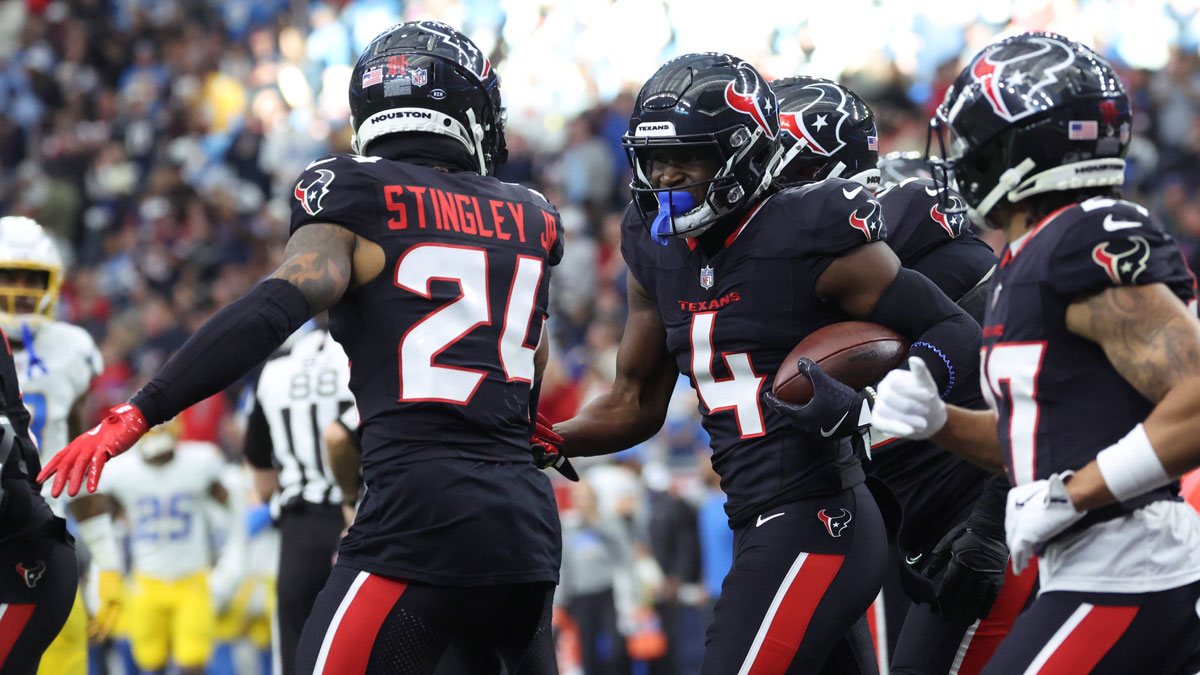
{"points": [[31, 574], [808, 127], [835, 524], [951, 219], [310, 195], [747, 103], [867, 219], [1123, 267], [1012, 76]]}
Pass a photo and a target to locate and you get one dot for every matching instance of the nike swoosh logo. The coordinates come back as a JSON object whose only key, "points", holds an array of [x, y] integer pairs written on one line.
{"points": [[319, 162], [837, 424], [912, 560], [762, 520], [1114, 225], [850, 194]]}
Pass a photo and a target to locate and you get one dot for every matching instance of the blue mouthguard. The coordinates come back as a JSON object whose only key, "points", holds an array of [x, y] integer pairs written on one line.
{"points": [[670, 203]]}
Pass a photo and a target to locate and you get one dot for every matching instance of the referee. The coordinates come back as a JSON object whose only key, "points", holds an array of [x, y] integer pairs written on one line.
{"points": [[298, 394]]}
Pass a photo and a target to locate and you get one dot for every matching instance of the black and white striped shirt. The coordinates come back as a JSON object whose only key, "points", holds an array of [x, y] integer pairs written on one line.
{"points": [[298, 394]]}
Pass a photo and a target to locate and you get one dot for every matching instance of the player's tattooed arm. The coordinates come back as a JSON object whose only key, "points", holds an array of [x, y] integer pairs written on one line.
{"points": [[635, 407], [318, 260], [1153, 341]]}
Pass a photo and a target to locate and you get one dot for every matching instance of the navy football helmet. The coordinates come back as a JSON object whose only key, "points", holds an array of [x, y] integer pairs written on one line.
{"points": [[425, 76], [828, 131], [897, 167], [711, 102], [1031, 114]]}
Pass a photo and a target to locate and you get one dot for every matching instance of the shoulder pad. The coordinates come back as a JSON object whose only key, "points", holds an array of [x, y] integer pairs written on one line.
{"points": [[835, 215], [336, 189], [1108, 242]]}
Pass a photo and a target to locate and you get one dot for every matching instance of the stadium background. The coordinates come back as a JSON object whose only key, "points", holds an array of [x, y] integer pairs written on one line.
{"points": [[158, 141]]}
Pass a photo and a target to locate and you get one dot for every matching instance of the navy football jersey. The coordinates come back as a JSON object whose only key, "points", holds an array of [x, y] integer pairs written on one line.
{"points": [[1058, 398], [441, 348], [732, 318], [441, 343], [919, 229]]}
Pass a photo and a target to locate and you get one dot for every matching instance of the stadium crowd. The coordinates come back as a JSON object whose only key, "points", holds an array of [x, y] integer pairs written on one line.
{"points": [[157, 141]]}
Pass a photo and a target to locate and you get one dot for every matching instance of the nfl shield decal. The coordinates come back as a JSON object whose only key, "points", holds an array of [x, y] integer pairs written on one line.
{"points": [[706, 277]]}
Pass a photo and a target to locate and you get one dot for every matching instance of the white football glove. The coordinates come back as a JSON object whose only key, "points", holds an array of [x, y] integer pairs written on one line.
{"points": [[907, 403], [1036, 512]]}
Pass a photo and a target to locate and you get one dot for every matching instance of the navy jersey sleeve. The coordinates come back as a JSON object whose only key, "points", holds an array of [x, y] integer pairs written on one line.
{"points": [[634, 238], [836, 216], [1116, 243], [921, 217], [337, 189]]}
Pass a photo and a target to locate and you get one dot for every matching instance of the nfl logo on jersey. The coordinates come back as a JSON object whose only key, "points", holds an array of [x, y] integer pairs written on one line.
{"points": [[706, 277]]}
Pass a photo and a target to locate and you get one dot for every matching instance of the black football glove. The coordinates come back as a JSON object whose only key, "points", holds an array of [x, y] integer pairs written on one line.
{"points": [[974, 562], [835, 411], [545, 446]]}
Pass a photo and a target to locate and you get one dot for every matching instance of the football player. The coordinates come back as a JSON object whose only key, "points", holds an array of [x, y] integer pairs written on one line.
{"points": [[1091, 366], [38, 571], [726, 274], [164, 488], [953, 535], [436, 277], [55, 364]]}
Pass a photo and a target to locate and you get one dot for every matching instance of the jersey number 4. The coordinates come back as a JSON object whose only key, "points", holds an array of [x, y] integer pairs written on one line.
{"points": [[423, 380], [1010, 370], [739, 392]]}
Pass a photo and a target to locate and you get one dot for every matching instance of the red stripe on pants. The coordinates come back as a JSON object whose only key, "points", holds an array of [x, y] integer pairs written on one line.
{"points": [[995, 626], [1090, 640], [790, 622], [11, 624], [351, 647]]}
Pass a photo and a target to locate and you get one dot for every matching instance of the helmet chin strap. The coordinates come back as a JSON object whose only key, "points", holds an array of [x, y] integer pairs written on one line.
{"points": [[1010, 179]]}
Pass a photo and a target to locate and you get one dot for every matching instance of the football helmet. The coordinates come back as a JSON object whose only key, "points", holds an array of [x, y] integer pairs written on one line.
{"points": [[1033, 113], [425, 76], [24, 245], [159, 440], [828, 130], [709, 102], [897, 167]]}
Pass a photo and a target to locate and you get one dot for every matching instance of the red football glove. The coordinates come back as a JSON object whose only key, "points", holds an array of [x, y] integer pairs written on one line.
{"points": [[546, 447], [123, 426]]}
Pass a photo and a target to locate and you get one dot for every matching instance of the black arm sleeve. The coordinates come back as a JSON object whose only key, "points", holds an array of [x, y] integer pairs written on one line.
{"points": [[229, 344], [258, 448], [987, 516], [942, 334]]}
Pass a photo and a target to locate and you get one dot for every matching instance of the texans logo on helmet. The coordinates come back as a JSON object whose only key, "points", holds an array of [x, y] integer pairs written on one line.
{"points": [[1126, 266], [952, 219], [805, 127], [1009, 88], [310, 195], [869, 223], [31, 574], [835, 524], [747, 103]]}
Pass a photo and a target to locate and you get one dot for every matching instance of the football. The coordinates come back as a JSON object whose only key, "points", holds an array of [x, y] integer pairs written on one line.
{"points": [[855, 353]]}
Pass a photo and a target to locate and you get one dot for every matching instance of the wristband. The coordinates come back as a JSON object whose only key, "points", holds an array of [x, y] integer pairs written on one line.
{"points": [[1130, 466], [101, 540]]}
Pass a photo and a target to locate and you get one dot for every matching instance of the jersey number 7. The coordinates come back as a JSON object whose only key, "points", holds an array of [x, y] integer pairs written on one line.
{"points": [[423, 380]]}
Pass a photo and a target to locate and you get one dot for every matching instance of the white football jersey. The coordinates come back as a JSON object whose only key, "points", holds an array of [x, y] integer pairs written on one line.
{"points": [[53, 375], [166, 507]]}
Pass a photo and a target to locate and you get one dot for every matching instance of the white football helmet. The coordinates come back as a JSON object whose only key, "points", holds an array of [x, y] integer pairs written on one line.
{"points": [[24, 245], [160, 440]]}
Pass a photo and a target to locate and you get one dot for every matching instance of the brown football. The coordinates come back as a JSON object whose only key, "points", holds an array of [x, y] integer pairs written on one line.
{"points": [[855, 353]]}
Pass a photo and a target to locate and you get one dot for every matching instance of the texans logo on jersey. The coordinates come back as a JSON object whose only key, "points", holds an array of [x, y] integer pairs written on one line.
{"points": [[310, 195], [808, 127], [869, 220], [1123, 267], [950, 219], [1009, 89], [31, 574], [747, 103], [835, 524]]}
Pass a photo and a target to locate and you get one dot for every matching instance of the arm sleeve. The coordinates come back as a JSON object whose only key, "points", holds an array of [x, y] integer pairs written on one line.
{"points": [[228, 345], [987, 515], [258, 448], [942, 334]]}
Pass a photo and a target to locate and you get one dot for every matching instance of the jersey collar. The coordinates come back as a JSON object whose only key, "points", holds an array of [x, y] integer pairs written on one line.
{"points": [[1014, 247]]}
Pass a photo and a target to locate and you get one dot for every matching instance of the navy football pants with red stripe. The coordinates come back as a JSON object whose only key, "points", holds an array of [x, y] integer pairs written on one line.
{"points": [[367, 623], [931, 645], [1067, 632], [38, 578], [803, 573]]}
